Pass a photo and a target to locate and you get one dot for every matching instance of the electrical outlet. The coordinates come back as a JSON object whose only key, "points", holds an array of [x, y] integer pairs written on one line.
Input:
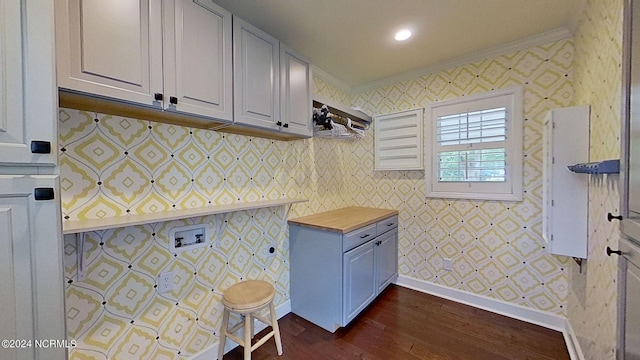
{"points": [[272, 249], [447, 264], [165, 282]]}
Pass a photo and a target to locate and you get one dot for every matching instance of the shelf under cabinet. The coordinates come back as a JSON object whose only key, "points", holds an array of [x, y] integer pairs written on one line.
{"points": [[79, 226]]}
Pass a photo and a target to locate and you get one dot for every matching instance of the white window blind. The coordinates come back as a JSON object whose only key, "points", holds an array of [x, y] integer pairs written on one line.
{"points": [[455, 133], [475, 146]]}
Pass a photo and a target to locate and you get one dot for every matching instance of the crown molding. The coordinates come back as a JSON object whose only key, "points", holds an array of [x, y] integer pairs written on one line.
{"points": [[526, 43], [326, 77]]}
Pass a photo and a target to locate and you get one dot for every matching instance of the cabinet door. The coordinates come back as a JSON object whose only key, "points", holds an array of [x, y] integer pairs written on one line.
{"points": [[26, 84], [255, 76], [386, 259], [632, 312], [295, 92], [110, 48], [359, 280], [566, 194], [198, 58], [30, 265]]}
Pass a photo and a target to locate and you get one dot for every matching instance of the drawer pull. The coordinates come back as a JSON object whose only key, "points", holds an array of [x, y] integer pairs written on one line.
{"points": [[391, 224], [364, 236], [40, 147]]}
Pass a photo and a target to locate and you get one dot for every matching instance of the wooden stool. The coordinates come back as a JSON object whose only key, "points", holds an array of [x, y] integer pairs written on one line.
{"points": [[247, 298]]}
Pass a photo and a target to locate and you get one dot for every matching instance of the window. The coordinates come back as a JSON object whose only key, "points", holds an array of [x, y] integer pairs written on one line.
{"points": [[475, 147]]}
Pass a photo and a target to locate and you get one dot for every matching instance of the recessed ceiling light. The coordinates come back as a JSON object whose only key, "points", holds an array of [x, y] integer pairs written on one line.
{"points": [[403, 35]]}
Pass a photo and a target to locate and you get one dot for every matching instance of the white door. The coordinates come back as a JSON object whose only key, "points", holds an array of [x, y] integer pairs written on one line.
{"points": [[30, 265], [256, 76], [16, 105], [198, 58], [111, 48], [295, 97], [386, 259], [359, 280]]}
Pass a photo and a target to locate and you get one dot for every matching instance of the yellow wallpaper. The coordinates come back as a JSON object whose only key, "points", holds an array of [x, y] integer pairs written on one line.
{"points": [[496, 246], [113, 165], [598, 81]]}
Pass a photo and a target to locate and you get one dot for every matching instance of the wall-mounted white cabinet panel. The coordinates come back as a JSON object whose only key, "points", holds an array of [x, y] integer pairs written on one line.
{"points": [[256, 76], [174, 55], [26, 84], [566, 194], [30, 267], [398, 141], [295, 98], [110, 48], [198, 58]]}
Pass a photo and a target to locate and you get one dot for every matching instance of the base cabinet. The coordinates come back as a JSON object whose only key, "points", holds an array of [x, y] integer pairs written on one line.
{"points": [[334, 276], [31, 267]]}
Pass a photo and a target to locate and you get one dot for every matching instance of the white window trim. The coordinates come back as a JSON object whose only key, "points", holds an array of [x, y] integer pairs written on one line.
{"points": [[511, 190]]}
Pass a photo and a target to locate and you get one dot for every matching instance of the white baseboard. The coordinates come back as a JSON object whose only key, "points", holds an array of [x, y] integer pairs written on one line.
{"points": [[533, 316], [211, 352], [573, 346]]}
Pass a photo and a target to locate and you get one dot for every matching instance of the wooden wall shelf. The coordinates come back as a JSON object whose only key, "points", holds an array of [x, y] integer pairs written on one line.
{"points": [[79, 226]]}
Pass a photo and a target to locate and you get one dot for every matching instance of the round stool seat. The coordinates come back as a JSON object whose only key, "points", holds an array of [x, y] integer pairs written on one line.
{"points": [[248, 298], [248, 295]]}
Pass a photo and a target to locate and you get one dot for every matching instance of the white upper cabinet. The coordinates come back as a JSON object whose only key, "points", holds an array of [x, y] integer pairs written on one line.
{"points": [[110, 48], [126, 50], [295, 96], [26, 86], [198, 58], [256, 76]]}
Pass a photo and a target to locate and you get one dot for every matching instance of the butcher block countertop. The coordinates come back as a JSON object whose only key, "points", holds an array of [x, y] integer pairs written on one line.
{"points": [[344, 220]]}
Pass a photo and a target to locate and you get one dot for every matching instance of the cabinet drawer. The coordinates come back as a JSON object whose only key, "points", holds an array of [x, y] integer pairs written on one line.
{"points": [[387, 224], [358, 237]]}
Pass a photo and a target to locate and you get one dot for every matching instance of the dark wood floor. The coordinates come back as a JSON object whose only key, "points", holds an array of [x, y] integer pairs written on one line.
{"points": [[407, 324]]}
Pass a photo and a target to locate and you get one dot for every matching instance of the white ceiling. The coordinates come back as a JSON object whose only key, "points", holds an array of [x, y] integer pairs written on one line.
{"points": [[352, 40]]}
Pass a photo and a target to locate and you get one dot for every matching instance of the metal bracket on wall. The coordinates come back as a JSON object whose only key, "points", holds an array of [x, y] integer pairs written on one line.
{"points": [[579, 262], [222, 227]]}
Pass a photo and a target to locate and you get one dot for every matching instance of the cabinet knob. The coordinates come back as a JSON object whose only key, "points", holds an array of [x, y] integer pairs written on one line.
{"points": [[43, 194], [158, 96], [40, 147], [173, 100], [286, 125], [279, 123], [609, 251], [611, 217]]}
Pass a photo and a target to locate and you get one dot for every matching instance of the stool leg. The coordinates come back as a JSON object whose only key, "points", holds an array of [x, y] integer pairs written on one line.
{"points": [[247, 337], [253, 330], [275, 327], [223, 333]]}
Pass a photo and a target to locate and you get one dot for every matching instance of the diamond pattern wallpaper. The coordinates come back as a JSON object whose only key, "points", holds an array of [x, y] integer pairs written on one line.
{"points": [[113, 166], [496, 246], [598, 81]]}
